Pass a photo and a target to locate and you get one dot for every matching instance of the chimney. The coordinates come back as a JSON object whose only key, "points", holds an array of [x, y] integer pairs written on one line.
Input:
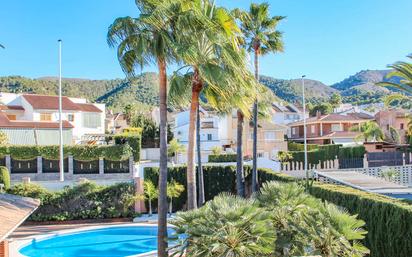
{"points": [[318, 115]]}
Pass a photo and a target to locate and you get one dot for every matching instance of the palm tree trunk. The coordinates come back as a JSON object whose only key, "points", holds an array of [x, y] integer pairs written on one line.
{"points": [[162, 203], [201, 200], [255, 125], [240, 181], [191, 174], [150, 207]]}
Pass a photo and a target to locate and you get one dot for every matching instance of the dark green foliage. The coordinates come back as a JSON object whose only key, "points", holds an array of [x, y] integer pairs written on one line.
{"points": [[222, 158], [352, 152], [134, 140], [292, 146], [84, 201], [323, 108], [4, 177], [79, 152], [330, 151], [150, 131], [388, 221]]}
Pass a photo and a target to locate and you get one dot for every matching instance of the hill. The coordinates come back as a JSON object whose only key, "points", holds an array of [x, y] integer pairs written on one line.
{"points": [[360, 78]]}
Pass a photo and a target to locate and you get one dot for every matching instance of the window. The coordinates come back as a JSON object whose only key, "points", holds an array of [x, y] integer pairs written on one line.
{"points": [[401, 126], [11, 116], [91, 120], [45, 117], [336, 127], [260, 155], [70, 117], [312, 129], [293, 131], [270, 135], [209, 137]]}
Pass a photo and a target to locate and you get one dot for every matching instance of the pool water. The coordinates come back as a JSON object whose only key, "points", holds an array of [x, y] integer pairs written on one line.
{"points": [[119, 241]]}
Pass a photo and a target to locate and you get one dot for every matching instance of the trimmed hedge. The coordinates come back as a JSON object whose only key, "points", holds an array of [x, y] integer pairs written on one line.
{"points": [[84, 201], [296, 147], [133, 139], [5, 177], [222, 158], [79, 152], [388, 220]]}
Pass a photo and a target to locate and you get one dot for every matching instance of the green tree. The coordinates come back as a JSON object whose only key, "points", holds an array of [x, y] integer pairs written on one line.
{"points": [[323, 108], [208, 47], [369, 132], [175, 148], [260, 37], [335, 100], [150, 193], [403, 72], [216, 150], [174, 190], [4, 177], [140, 42]]}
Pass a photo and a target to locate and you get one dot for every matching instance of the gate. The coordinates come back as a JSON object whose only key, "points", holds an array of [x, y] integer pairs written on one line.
{"points": [[52, 166], [23, 166], [385, 159], [85, 167], [116, 166]]}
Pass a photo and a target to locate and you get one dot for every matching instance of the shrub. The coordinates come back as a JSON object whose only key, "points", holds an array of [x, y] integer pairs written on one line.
{"points": [[352, 152], [222, 158], [84, 201], [132, 139], [5, 177]]}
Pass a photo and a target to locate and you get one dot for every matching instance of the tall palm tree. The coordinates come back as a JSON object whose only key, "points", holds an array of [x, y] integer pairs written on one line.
{"points": [[369, 131], [209, 48], [260, 37], [141, 41], [403, 71]]}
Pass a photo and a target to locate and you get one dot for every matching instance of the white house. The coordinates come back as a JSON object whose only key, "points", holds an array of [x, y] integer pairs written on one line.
{"points": [[81, 118], [286, 113]]}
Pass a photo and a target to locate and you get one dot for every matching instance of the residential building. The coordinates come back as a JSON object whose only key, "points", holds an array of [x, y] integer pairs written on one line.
{"points": [[221, 131], [115, 122], [42, 111], [328, 129], [286, 113], [395, 118]]}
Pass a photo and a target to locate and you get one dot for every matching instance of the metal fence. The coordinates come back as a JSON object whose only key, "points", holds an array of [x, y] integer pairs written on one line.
{"points": [[386, 159], [116, 166], [350, 163], [52, 166], [85, 167], [23, 166]]}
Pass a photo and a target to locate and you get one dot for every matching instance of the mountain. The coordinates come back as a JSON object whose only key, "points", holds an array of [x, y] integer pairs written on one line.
{"points": [[291, 90], [360, 78]]}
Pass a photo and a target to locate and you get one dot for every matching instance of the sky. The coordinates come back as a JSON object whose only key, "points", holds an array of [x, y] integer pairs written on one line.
{"points": [[325, 40]]}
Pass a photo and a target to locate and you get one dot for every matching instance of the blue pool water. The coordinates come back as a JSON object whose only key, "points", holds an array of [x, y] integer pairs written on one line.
{"points": [[118, 241]]}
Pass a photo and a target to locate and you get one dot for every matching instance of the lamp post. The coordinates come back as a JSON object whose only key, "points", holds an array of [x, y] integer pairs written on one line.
{"points": [[305, 153], [61, 166]]}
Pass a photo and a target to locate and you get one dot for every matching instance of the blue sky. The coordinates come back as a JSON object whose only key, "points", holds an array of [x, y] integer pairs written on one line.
{"points": [[326, 40]]}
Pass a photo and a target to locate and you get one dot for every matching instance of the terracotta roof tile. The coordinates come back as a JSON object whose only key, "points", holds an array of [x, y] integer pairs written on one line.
{"points": [[89, 108], [12, 107], [47, 102], [6, 123], [13, 211]]}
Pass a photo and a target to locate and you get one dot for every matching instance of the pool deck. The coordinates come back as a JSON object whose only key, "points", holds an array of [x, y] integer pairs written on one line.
{"points": [[24, 234]]}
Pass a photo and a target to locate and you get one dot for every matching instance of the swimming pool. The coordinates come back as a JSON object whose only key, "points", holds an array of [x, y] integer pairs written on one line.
{"points": [[115, 241]]}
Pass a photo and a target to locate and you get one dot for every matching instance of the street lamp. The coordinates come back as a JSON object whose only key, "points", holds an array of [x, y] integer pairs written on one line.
{"points": [[305, 153], [61, 167]]}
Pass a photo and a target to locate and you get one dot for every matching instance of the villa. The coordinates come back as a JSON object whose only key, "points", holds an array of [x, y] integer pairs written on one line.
{"points": [[34, 119]]}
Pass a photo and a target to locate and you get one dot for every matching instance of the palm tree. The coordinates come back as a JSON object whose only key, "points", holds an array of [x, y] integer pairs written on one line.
{"points": [[217, 66], [174, 190], [175, 148], [262, 37], [369, 131], [141, 41], [402, 71], [150, 193]]}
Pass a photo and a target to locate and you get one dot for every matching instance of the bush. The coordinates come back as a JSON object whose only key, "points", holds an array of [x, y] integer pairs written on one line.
{"points": [[352, 152], [84, 201], [5, 177], [292, 146], [222, 158], [79, 152], [133, 139]]}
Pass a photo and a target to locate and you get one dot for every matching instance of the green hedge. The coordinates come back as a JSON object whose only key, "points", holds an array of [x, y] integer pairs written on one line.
{"points": [[388, 220], [352, 152], [330, 151], [222, 158], [4, 177], [296, 147], [84, 201], [79, 152], [133, 139]]}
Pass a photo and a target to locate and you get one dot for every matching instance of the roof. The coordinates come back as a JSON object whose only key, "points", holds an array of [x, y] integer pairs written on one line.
{"points": [[267, 125], [13, 211], [88, 107], [282, 108], [333, 135], [12, 107], [333, 117], [6, 123], [47, 102]]}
